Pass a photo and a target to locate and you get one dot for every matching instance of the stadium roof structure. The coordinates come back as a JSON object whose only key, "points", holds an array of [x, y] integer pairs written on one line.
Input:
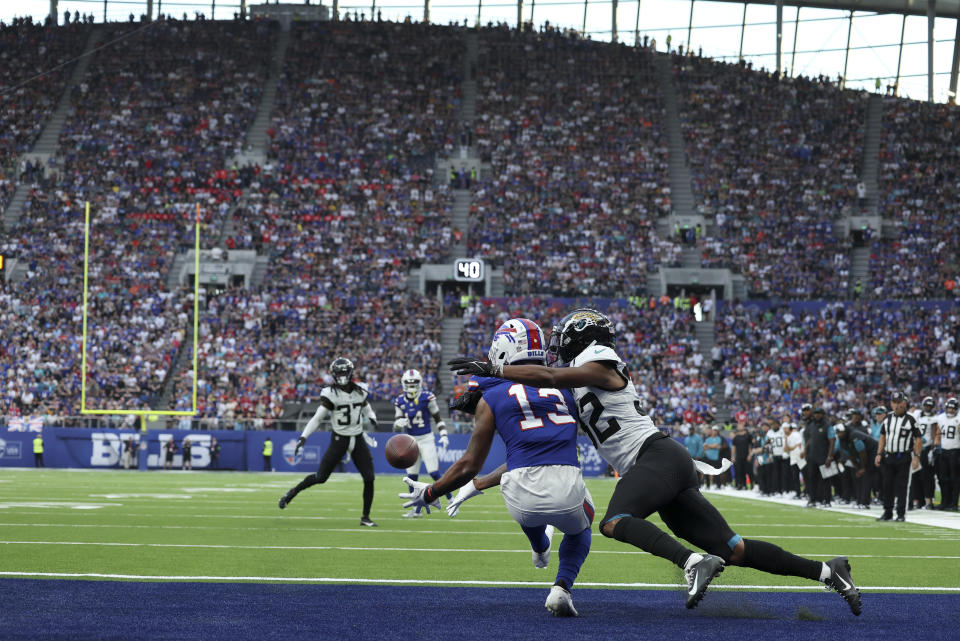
{"points": [[932, 9]]}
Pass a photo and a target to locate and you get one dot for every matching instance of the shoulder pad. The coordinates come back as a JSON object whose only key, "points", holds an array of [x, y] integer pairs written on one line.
{"points": [[430, 396], [596, 353]]}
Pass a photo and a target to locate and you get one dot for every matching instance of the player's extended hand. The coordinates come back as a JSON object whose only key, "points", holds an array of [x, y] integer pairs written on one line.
{"points": [[467, 491], [469, 366], [444, 439], [467, 402], [300, 442], [415, 495], [371, 442], [400, 424]]}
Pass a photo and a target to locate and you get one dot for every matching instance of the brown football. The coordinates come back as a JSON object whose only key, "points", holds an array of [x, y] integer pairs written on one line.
{"points": [[401, 451]]}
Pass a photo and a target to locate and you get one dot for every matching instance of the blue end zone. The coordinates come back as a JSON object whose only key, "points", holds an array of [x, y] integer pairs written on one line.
{"points": [[53, 609]]}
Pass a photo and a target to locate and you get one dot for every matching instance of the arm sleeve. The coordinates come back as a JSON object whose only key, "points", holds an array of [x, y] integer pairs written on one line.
{"points": [[322, 414], [371, 416], [434, 410]]}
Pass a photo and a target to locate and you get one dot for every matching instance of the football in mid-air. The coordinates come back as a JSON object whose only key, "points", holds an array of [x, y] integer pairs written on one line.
{"points": [[401, 451]]}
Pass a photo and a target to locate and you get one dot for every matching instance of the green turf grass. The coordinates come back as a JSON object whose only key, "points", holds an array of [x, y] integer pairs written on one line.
{"points": [[206, 524]]}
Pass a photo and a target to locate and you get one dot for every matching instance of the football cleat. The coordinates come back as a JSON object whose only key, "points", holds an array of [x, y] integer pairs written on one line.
{"points": [[560, 603], [413, 514], [365, 520], [841, 581], [284, 500], [542, 559], [699, 577]]}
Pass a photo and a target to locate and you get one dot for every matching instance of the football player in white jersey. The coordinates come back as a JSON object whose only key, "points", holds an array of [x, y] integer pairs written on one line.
{"points": [[345, 404], [657, 473], [948, 423], [413, 412], [923, 481]]}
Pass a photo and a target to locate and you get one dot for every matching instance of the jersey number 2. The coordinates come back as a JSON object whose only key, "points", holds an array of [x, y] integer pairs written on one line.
{"points": [[530, 420]]}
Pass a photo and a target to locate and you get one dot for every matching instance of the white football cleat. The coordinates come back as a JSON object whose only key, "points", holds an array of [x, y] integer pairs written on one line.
{"points": [[413, 514], [542, 559], [560, 603]]}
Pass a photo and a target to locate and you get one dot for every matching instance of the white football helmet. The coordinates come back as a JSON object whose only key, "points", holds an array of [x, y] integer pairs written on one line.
{"points": [[412, 382], [519, 339]]}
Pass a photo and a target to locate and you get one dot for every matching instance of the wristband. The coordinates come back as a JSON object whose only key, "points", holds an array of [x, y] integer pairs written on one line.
{"points": [[428, 496]]}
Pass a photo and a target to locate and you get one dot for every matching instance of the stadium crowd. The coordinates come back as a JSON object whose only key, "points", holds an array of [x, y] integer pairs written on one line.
{"points": [[838, 355], [347, 204], [34, 68], [919, 193], [774, 165], [579, 169]]}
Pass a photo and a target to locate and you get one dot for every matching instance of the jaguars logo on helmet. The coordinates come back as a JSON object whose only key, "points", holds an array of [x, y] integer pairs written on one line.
{"points": [[577, 331], [342, 371]]}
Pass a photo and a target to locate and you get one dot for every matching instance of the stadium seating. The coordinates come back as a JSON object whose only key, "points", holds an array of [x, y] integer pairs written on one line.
{"points": [[579, 169], [775, 164]]}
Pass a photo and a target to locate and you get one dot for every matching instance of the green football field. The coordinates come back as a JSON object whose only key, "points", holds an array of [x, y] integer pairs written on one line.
{"points": [[227, 527]]}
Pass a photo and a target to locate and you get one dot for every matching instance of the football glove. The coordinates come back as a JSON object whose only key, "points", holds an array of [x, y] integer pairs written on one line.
{"points": [[444, 439], [371, 442], [467, 491], [468, 366], [400, 424], [300, 442], [467, 402], [416, 495]]}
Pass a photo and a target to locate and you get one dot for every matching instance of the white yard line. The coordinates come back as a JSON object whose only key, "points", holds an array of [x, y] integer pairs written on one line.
{"points": [[361, 580], [936, 518], [409, 549]]}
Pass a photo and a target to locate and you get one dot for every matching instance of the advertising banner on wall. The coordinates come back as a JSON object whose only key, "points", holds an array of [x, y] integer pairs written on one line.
{"points": [[105, 449]]}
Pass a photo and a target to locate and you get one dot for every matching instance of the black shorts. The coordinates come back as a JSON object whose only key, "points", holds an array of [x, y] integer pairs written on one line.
{"points": [[338, 449], [664, 480]]}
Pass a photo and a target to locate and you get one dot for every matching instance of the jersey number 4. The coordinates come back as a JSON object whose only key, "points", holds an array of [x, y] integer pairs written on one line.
{"points": [[530, 420]]}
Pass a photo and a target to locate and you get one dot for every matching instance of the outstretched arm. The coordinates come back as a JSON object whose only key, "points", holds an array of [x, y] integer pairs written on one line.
{"points": [[468, 465], [602, 374]]}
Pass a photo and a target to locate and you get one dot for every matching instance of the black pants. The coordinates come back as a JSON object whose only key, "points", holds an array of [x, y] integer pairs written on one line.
{"points": [[38, 459], [665, 481], [740, 469], [923, 483], [811, 474], [793, 479], [360, 454], [781, 469], [895, 470], [865, 482], [950, 466]]}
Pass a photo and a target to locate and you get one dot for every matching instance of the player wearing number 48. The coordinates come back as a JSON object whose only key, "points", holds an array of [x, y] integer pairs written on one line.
{"points": [[657, 473]]}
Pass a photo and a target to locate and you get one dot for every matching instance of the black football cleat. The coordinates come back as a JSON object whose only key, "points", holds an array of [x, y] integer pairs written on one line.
{"points": [[700, 576], [284, 500], [365, 520], [841, 581]]}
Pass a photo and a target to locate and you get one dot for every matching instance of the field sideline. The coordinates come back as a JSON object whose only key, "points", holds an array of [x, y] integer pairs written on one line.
{"points": [[202, 527]]}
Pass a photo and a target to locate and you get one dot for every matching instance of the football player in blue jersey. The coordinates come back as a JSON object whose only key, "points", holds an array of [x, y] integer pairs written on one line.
{"points": [[414, 410], [541, 482], [656, 472]]}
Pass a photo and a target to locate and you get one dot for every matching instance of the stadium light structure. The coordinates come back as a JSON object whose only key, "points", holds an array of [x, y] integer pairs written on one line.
{"points": [[83, 340]]}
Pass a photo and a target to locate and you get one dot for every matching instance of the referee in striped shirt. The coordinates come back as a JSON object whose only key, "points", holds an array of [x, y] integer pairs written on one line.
{"points": [[898, 450]]}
